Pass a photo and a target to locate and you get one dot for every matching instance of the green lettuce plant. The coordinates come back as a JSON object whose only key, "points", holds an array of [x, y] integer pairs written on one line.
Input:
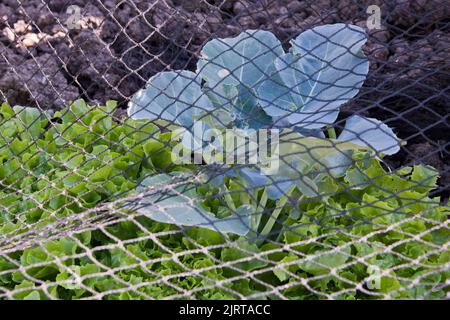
{"points": [[366, 219]]}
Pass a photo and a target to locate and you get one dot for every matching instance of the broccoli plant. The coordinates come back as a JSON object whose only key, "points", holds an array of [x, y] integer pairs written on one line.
{"points": [[249, 82]]}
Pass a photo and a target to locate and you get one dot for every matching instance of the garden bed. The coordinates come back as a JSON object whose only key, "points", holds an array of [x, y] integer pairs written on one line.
{"points": [[94, 203]]}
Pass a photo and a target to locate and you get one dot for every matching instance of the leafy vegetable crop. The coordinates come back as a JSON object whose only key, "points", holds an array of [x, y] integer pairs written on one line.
{"points": [[251, 83], [331, 218], [388, 209], [73, 163]]}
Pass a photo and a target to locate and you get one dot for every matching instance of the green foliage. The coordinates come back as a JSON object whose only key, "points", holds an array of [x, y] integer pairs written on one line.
{"points": [[57, 165], [79, 159]]}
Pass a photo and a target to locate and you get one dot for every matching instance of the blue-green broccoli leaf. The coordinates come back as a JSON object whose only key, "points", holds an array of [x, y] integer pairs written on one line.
{"points": [[234, 68], [243, 60], [324, 69], [175, 96], [245, 111], [277, 186], [370, 132], [178, 204]]}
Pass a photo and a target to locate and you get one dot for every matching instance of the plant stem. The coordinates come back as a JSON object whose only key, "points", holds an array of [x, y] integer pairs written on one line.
{"points": [[263, 201], [274, 216], [245, 199], [331, 132], [229, 200], [260, 208]]}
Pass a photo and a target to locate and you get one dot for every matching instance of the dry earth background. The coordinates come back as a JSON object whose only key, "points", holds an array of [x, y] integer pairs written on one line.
{"points": [[122, 43]]}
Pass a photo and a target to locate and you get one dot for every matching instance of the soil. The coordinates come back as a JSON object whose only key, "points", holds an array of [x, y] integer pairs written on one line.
{"points": [[118, 45]]}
